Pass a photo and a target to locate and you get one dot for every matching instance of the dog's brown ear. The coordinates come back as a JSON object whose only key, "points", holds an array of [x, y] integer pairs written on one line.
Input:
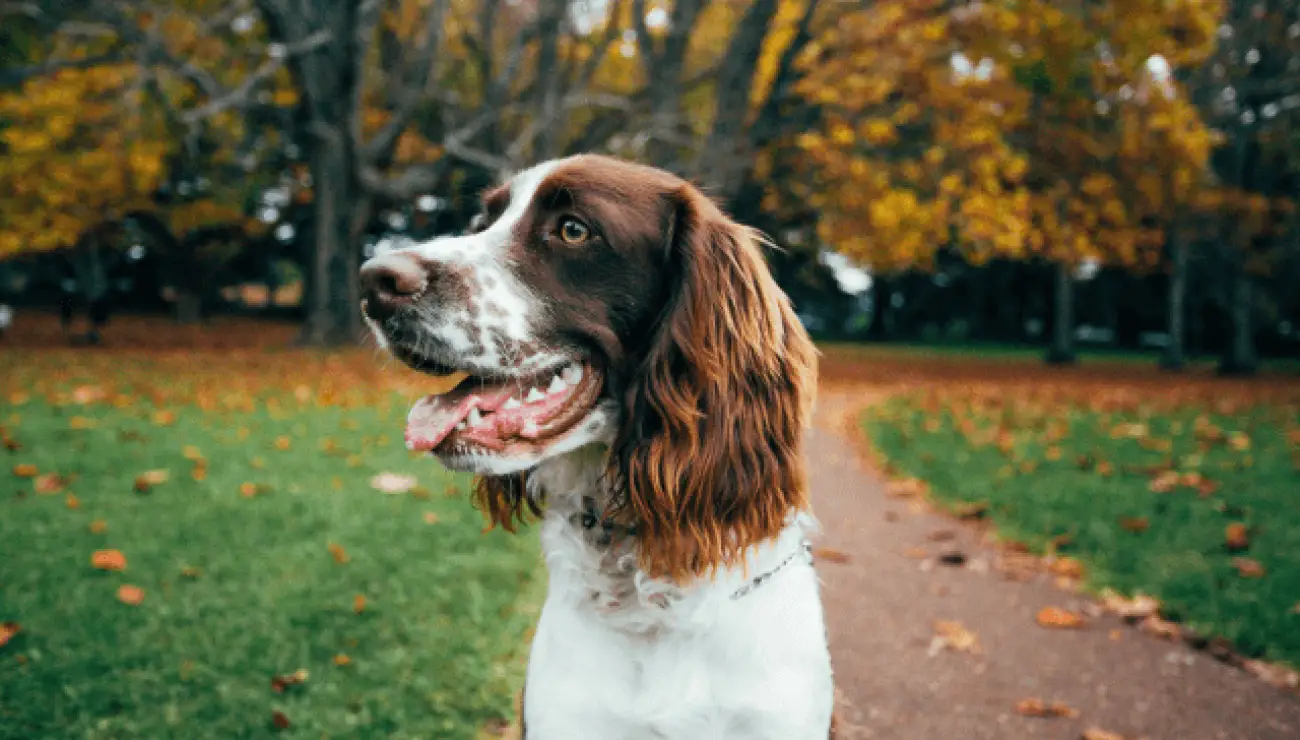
{"points": [[707, 461]]}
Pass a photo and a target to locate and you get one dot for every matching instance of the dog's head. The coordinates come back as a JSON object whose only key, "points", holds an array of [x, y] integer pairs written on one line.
{"points": [[600, 302]]}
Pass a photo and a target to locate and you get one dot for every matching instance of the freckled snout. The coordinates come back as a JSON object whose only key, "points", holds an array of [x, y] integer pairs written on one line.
{"points": [[390, 281]]}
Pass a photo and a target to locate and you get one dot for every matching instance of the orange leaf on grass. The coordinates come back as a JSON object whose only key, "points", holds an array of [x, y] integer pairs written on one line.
{"points": [[1248, 568], [430, 517], [342, 659], [49, 483], [1235, 537], [7, 631], [279, 721], [99, 526], [280, 683], [26, 470], [340, 555], [1135, 524], [248, 490], [108, 560], [1055, 617], [149, 479], [72, 501], [131, 595], [359, 603]]}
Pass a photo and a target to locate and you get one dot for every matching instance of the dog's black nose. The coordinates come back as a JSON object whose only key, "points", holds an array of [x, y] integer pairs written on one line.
{"points": [[390, 281]]}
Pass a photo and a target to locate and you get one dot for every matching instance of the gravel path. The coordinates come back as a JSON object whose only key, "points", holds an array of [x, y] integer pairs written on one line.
{"points": [[883, 602]]}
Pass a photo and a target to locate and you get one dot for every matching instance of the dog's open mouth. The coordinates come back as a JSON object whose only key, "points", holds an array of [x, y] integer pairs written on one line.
{"points": [[493, 413]]}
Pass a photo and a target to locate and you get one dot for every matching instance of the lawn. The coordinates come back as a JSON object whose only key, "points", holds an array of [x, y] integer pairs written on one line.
{"points": [[282, 591], [1193, 500]]}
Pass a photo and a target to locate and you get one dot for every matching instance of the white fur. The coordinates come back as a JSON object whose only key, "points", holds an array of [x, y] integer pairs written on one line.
{"points": [[619, 656], [486, 334]]}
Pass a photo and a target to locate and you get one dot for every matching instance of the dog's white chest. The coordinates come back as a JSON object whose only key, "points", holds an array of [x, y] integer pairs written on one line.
{"points": [[705, 667]]}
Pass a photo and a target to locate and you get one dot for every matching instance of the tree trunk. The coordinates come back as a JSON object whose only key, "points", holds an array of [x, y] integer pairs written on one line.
{"points": [[1175, 355], [189, 305], [334, 297], [1061, 351], [878, 330], [1239, 357]]}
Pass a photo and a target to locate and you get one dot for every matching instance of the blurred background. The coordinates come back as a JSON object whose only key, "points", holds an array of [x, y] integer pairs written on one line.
{"points": [[969, 196], [1054, 173]]}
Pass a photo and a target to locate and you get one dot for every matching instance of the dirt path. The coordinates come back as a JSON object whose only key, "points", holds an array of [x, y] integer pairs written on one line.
{"points": [[882, 604]]}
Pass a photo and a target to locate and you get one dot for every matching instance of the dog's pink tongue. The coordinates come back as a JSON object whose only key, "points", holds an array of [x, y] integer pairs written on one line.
{"points": [[432, 418]]}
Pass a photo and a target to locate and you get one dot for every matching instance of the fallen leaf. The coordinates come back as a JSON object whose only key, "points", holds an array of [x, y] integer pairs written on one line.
{"points": [[830, 555], [247, 490], [905, 487], [1038, 708], [49, 483], [281, 722], [1154, 625], [430, 517], [1135, 524], [342, 659], [1138, 607], [359, 603], [952, 635], [282, 443], [164, 418], [80, 422], [108, 560], [1235, 537], [1248, 568], [1164, 482], [1055, 617], [393, 482], [72, 502], [99, 526], [970, 510], [84, 394], [280, 683], [7, 631], [26, 470], [1067, 566], [340, 555], [190, 571], [1096, 733], [128, 594], [149, 479], [191, 452]]}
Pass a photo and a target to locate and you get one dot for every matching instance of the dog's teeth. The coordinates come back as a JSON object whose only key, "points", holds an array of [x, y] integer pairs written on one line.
{"points": [[475, 418], [530, 430], [460, 426], [512, 403], [557, 385], [534, 395], [572, 374]]}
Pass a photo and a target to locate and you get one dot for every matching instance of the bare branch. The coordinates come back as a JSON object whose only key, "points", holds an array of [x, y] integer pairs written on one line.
{"points": [[276, 57], [423, 69]]}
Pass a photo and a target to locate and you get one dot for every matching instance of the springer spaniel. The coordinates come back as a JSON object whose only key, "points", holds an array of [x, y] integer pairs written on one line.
{"points": [[630, 372]]}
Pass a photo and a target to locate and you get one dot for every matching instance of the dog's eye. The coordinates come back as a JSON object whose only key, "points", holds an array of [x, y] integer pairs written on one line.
{"points": [[573, 231]]}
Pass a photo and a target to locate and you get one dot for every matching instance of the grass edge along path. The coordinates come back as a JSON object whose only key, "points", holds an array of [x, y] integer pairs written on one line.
{"points": [[1194, 508]]}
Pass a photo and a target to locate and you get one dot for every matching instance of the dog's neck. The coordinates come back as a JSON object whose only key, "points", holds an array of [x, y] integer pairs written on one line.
{"points": [[593, 563]]}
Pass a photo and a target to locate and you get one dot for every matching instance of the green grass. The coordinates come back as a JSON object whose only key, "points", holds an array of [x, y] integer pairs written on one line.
{"points": [[1101, 479], [436, 651]]}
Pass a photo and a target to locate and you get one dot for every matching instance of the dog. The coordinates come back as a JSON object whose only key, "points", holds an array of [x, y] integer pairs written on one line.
{"points": [[627, 370]]}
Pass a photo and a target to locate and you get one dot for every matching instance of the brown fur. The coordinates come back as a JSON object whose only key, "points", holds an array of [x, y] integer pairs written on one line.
{"points": [[714, 371]]}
